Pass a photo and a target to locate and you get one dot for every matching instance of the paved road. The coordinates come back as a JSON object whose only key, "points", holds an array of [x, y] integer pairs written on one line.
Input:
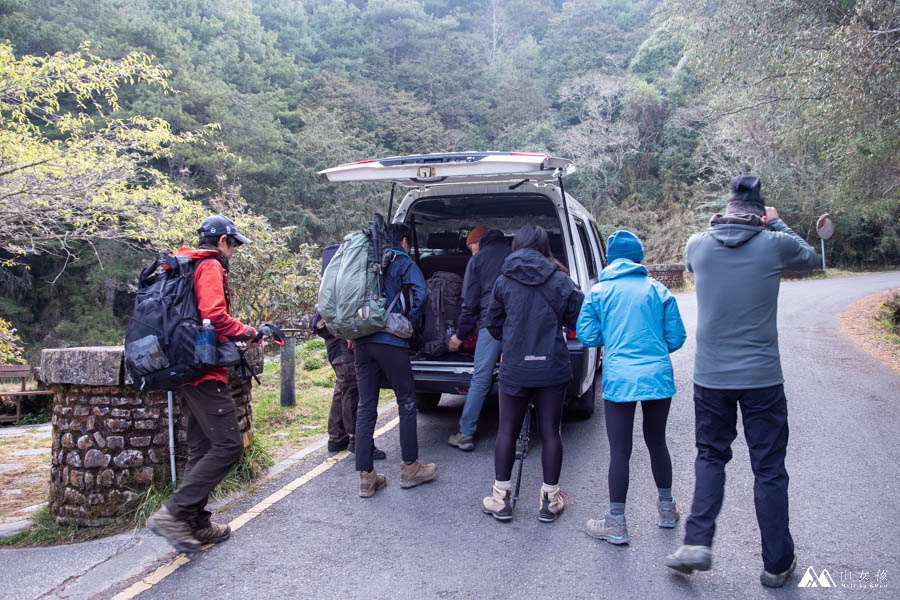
{"points": [[322, 541]]}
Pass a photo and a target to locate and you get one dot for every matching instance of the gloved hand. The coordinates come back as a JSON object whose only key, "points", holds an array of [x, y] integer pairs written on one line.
{"points": [[272, 331]]}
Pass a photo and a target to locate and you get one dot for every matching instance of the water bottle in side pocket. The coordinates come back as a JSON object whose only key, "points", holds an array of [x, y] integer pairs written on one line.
{"points": [[205, 344]]}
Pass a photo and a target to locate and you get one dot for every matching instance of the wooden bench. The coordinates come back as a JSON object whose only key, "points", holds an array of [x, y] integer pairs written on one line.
{"points": [[23, 373]]}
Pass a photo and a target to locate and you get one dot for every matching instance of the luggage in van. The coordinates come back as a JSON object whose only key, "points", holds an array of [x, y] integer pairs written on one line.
{"points": [[442, 312]]}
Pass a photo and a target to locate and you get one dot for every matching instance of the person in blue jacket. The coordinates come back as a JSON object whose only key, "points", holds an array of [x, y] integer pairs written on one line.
{"points": [[385, 356], [636, 319]]}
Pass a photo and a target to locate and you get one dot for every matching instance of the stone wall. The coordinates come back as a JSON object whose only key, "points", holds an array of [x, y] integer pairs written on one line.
{"points": [[111, 440], [672, 276]]}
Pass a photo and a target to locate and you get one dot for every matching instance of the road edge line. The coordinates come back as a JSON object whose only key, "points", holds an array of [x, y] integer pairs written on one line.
{"points": [[147, 583]]}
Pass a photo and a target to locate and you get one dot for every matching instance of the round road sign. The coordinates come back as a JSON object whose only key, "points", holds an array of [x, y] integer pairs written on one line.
{"points": [[825, 226]]}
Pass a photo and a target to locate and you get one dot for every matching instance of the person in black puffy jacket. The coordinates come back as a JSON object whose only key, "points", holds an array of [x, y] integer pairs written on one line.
{"points": [[533, 298]]}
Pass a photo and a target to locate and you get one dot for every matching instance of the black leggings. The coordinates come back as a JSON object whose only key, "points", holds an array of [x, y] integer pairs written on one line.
{"points": [[619, 425], [548, 403]]}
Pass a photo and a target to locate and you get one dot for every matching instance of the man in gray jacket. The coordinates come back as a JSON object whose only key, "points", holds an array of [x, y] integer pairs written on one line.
{"points": [[737, 265]]}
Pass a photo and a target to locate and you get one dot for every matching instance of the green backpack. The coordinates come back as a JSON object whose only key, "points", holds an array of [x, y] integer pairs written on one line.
{"points": [[350, 299]]}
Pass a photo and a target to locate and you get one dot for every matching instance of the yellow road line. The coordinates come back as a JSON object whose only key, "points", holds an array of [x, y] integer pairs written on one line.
{"points": [[257, 509]]}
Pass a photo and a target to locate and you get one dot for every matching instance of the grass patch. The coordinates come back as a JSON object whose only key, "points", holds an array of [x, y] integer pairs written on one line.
{"points": [[47, 532], [255, 460], [148, 502], [888, 319]]}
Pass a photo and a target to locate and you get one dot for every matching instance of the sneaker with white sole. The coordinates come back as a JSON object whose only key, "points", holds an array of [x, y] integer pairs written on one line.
{"points": [[609, 527]]}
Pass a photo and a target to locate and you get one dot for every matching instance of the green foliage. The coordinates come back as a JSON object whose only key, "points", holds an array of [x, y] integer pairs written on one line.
{"points": [[255, 460], [10, 344], [660, 103], [35, 418], [311, 363], [889, 313], [805, 95], [315, 344]]}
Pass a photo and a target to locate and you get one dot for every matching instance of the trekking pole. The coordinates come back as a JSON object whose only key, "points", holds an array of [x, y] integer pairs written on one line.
{"points": [[171, 437], [524, 434]]}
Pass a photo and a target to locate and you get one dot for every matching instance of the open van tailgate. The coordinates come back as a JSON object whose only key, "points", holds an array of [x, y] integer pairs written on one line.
{"points": [[453, 167]]}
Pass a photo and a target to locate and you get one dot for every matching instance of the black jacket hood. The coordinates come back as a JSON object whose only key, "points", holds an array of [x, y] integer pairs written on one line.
{"points": [[735, 229], [528, 267]]}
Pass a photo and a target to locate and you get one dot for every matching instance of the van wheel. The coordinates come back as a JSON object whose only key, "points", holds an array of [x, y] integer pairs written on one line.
{"points": [[426, 401], [582, 407]]}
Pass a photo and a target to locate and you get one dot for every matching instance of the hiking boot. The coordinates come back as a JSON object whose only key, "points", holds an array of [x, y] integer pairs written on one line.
{"points": [[416, 472], [370, 482], [498, 504], [377, 454], [176, 531], [609, 527], [690, 558], [212, 533], [462, 441], [776, 580], [552, 504], [668, 513]]}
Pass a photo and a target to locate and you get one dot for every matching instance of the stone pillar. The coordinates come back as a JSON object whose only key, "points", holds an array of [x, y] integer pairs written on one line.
{"points": [[111, 440], [671, 276]]}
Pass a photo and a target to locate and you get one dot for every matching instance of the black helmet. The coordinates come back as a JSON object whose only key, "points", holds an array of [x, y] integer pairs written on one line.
{"points": [[217, 226]]}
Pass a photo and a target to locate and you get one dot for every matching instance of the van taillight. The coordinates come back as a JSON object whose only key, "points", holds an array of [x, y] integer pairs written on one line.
{"points": [[570, 333]]}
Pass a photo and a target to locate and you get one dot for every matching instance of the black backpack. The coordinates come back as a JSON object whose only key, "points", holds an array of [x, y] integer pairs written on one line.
{"points": [[159, 341], [442, 312]]}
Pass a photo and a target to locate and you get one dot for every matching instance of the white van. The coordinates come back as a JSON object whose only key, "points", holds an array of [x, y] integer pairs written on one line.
{"points": [[448, 195]]}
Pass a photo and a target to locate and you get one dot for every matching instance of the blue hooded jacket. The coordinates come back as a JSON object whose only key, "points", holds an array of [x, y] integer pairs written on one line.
{"points": [[637, 321], [402, 274]]}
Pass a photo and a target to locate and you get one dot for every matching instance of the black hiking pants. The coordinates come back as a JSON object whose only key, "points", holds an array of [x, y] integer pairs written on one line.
{"points": [[215, 446], [548, 404], [375, 363], [764, 413]]}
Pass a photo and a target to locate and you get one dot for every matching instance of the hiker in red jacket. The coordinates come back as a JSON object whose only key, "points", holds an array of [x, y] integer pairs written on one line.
{"points": [[213, 435]]}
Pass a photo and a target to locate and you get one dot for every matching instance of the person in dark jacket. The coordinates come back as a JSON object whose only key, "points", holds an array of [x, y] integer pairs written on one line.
{"points": [[636, 320], [737, 265], [383, 355], [532, 300], [213, 435], [489, 250]]}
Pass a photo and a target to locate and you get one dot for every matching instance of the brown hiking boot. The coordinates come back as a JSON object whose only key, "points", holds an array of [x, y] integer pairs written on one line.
{"points": [[553, 503], [370, 482], [416, 472], [176, 531], [499, 503], [212, 533]]}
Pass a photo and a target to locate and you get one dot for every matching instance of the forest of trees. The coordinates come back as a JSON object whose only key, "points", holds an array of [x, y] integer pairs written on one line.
{"points": [[236, 104]]}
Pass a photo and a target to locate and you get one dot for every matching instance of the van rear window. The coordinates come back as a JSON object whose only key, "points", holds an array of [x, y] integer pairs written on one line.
{"points": [[443, 222]]}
